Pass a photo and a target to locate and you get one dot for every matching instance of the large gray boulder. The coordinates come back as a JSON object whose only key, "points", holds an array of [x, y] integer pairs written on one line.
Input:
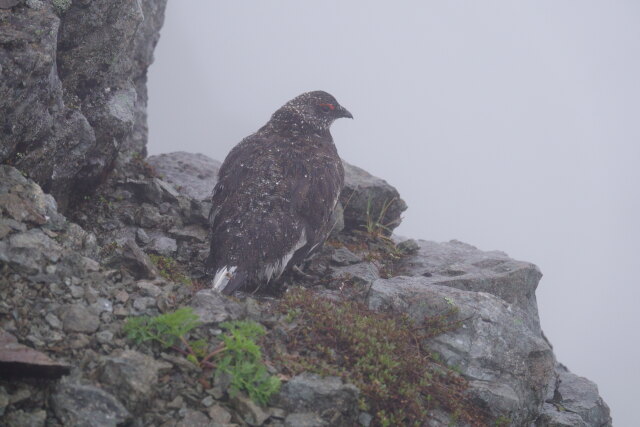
{"points": [[460, 265], [192, 173], [508, 364], [498, 345], [72, 88], [368, 199]]}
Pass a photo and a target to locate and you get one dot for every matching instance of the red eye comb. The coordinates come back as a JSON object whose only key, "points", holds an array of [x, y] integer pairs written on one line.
{"points": [[331, 106]]}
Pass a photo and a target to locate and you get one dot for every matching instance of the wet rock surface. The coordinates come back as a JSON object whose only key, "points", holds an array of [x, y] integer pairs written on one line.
{"points": [[73, 88], [66, 290]]}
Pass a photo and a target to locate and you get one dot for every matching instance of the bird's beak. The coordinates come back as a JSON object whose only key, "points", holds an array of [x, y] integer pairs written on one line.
{"points": [[343, 112]]}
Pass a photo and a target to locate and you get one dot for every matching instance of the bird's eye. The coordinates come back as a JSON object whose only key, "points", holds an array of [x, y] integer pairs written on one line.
{"points": [[325, 108]]}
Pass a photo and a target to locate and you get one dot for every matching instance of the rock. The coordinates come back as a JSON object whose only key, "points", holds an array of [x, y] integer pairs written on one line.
{"points": [[131, 376], [213, 307], [364, 419], [334, 401], [191, 173], [578, 396], [8, 4], [133, 259], [552, 416], [366, 197], [86, 406], [507, 362], [363, 273], [462, 266], [17, 360], [252, 413], [79, 318], [337, 219], [194, 419], [191, 233], [343, 256], [22, 418], [141, 237], [163, 245], [219, 414], [72, 93], [304, 419]]}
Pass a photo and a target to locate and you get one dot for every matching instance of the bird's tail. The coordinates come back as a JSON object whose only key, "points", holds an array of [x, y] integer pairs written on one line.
{"points": [[228, 279]]}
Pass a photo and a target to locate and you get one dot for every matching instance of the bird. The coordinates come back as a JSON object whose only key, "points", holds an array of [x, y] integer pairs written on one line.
{"points": [[276, 191]]}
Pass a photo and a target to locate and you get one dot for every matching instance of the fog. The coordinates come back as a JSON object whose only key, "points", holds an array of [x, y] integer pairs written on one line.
{"points": [[507, 125]]}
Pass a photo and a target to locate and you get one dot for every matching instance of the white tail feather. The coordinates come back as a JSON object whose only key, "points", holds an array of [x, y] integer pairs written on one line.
{"points": [[222, 277]]}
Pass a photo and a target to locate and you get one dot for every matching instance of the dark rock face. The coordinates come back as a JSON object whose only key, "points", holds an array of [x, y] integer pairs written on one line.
{"points": [[72, 92], [193, 173], [64, 289], [366, 198], [333, 401]]}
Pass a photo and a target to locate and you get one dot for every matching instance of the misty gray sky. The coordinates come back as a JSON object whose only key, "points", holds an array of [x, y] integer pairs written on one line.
{"points": [[507, 125]]}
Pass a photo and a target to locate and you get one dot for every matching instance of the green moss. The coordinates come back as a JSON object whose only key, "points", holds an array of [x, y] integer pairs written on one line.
{"points": [[381, 353], [170, 270]]}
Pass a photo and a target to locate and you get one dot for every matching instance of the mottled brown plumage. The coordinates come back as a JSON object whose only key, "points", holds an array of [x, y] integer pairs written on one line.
{"points": [[275, 195]]}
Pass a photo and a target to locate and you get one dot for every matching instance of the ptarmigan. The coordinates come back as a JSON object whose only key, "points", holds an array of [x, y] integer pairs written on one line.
{"points": [[276, 191]]}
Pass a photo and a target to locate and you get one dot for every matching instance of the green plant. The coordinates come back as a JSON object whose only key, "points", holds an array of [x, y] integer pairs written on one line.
{"points": [[374, 224], [169, 269], [242, 359], [239, 354], [382, 353], [167, 329]]}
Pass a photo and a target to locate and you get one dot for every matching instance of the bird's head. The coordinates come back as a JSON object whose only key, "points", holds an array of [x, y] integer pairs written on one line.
{"points": [[314, 111]]}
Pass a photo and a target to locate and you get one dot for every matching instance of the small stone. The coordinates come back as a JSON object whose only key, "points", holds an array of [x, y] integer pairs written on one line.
{"points": [[79, 404], [216, 392], [365, 419], [343, 256], [207, 401], [131, 376], [304, 419], [122, 296], [78, 341], [194, 419], [219, 414], [278, 413], [78, 318], [143, 303], [252, 413], [176, 403], [120, 311], [102, 305], [148, 289], [50, 269], [142, 237], [76, 291], [53, 320], [104, 337], [163, 245]]}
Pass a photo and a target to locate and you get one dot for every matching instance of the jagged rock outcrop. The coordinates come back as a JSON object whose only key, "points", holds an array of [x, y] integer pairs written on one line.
{"points": [[72, 109], [73, 88], [57, 291]]}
